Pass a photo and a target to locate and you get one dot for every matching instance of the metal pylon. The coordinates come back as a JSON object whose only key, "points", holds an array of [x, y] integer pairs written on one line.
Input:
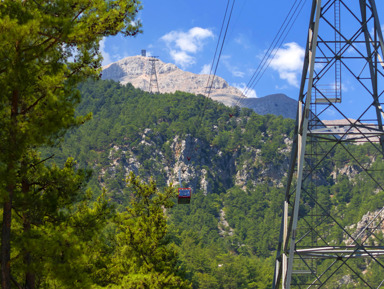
{"points": [[319, 247], [153, 84]]}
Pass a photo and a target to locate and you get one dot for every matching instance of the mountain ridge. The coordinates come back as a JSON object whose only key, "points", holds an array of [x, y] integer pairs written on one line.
{"points": [[234, 160], [137, 70]]}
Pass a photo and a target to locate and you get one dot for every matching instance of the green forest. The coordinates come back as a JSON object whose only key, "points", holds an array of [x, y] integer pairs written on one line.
{"points": [[211, 258], [227, 236], [89, 168]]}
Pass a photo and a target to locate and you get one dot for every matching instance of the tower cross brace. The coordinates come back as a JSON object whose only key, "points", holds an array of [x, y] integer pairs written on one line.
{"points": [[317, 245], [153, 83]]}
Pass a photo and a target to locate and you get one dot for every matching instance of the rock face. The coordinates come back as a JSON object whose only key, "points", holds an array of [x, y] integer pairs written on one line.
{"points": [[200, 165], [370, 223], [137, 70], [278, 104]]}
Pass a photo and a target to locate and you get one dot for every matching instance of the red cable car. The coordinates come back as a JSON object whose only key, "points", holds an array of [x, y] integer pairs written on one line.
{"points": [[184, 196]]}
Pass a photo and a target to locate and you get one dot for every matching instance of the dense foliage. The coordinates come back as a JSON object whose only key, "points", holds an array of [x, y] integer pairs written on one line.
{"points": [[226, 237], [46, 49], [140, 252], [120, 116]]}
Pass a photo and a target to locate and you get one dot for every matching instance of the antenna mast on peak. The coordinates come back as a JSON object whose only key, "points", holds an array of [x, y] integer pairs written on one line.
{"points": [[153, 83]]}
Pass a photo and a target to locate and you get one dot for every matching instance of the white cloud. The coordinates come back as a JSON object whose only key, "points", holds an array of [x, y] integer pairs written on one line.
{"points": [[243, 41], [182, 58], [183, 45], [288, 62], [106, 56], [343, 87], [248, 92], [372, 30], [330, 112], [237, 73], [282, 87], [206, 69], [234, 70]]}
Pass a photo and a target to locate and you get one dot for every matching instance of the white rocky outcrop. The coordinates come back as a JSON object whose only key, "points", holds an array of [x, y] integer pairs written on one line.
{"points": [[368, 227], [137, 70]]}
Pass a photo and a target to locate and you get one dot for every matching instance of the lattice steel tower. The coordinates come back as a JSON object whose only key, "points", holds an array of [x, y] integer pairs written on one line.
{"points": [[153, 84], [320, 245]]}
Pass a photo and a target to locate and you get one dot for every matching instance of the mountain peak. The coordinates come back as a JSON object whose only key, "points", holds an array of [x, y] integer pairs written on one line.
{"points": [[137, 70]]}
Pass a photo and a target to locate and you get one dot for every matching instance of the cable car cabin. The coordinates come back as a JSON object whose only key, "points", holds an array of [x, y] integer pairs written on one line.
{"points": [[184, 196]]}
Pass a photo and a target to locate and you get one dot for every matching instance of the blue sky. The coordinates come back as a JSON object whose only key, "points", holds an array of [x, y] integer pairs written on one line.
{"points": [[185, 32]]}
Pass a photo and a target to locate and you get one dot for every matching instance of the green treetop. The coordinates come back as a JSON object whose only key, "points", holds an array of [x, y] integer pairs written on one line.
{"points": [[144, 256], [46, 49]]}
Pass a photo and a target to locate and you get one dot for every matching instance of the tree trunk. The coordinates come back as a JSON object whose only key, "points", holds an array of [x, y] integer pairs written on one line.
{"points": [[6, 242], [5, 257], [30, 277]]}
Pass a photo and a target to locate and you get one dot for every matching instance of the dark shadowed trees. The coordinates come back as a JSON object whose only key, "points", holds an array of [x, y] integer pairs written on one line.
{"points": [[46, 49]]}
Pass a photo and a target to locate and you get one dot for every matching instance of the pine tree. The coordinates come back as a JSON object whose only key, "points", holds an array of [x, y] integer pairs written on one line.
{"points": [[46, 49], [144, 255], [55, 226]]}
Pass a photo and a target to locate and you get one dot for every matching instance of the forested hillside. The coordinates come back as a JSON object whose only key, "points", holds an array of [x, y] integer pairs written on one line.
{"points": [[234, 160]]}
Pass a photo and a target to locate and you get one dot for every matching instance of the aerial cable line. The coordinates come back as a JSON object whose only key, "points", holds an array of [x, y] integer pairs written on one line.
{"points": [[209, 86], [214, 66], [277, 42], [215, 62], [211, 80], [217, 45], [208, 91], [279, 38], [222, 46]]}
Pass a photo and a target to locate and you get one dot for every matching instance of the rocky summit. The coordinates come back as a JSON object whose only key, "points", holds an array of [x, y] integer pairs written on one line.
{"points": [[140, 72]]}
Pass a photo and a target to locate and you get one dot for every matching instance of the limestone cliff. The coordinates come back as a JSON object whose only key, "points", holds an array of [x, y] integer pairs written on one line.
{"points": [[137, 71]]}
